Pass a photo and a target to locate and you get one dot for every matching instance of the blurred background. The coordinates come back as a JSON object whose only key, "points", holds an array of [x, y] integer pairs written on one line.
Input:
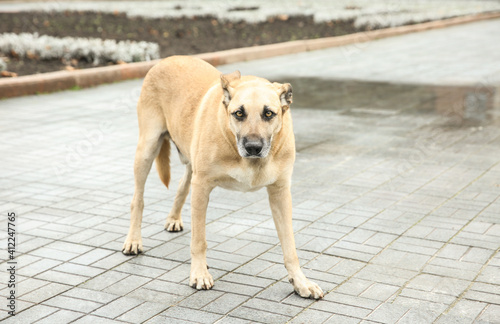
{"points": [[43, 36]]}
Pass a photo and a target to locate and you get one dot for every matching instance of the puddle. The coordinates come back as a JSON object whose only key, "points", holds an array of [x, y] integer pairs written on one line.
{"points": [[463, 105]]}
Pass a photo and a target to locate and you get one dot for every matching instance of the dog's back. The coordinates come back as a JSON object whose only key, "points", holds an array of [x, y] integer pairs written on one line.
{"points": [[168, 92]]}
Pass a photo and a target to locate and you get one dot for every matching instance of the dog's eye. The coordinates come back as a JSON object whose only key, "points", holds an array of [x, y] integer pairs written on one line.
{"points": [[268, 114], [239, 114]]}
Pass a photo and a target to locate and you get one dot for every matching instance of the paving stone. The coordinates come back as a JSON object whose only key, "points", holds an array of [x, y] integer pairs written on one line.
{"points": [[154, 296], [342, 309], [381, 292], [62, 277], [353, 255], [272, 307], [169, 287], [248, 280], [467, 309], [142, 312], [225, 286], [490, 275], [318, 244], [178, 274], [92, 295], [28, 285], [90, 319], [77, 269], [388, 313], [395, 210], [486, 297], [31, 315], [125, 285], [423, 295], [254, 267], [200, 299], [386, 274], [111, 261], [38, 267], [352, 300], [438, 284], [258, 316], [61, 316], [450, 271], [92, 256], [69, 247], [54, 254], [420, 310], [104, 280], [50, 290], [419, 315], [275, 272], [295, 300], [347, 267], [354, 286], [491, 314], [163, 319], [404, 260], [226, 303], [151, 262], [117, 307], [311, 316], [21, 305], [233, 320], [191, 315], [343, 319], [32, 244], [453, 251], [77, 305], [139, 270], [323, 263]]}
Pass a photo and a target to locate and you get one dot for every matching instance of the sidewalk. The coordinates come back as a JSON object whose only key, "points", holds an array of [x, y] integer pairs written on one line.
{"points": [[465, 54], [396, 212]]}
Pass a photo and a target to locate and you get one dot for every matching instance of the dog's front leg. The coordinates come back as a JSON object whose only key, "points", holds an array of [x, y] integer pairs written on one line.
{"points": [[280, 199], [200, 278]]}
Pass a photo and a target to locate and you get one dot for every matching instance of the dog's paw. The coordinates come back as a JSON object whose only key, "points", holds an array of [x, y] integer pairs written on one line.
{"points": [[306, 288], [201, 279], [132, 246], [173, 225]]}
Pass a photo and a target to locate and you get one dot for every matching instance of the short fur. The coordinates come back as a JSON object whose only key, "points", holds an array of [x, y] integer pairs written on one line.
{"points": [[230, 131]]}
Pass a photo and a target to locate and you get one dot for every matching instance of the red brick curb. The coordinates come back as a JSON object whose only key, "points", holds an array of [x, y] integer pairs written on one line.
{"points": [[62, 80]]}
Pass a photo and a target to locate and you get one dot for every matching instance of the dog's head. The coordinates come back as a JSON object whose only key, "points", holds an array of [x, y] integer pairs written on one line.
{"points": [[255, 108]]}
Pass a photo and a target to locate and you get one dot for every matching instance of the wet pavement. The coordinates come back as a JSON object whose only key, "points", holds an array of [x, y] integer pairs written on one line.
{"points": [[396, 194]]}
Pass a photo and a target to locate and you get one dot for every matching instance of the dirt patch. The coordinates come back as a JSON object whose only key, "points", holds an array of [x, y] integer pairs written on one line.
{"points": [[174, 35]]}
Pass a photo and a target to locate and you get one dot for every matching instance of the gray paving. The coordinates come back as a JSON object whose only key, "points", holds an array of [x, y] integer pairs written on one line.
{"points": [[462, 54], [396, 213]]}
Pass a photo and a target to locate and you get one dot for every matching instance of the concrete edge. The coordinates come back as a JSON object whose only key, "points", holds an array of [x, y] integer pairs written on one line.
{"points": [[63, 80]]}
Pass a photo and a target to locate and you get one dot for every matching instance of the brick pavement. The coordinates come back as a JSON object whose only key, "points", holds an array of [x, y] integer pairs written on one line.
{"points": [[464, 54], [396, 215]]}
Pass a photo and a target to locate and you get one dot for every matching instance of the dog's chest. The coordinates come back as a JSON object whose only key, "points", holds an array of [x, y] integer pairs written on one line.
{"points": [[248, 179]]}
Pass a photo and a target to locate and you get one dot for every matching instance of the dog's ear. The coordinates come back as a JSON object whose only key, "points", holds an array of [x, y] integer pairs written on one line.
{"points": [[285, 93], [225, 80]]}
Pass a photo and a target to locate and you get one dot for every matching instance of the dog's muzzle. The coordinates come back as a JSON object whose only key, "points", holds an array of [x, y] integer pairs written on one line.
{"points": [[252, 147]]}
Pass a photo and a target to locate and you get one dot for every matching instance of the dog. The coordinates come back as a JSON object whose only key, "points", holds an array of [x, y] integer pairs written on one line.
{"points": [[230, 131]]}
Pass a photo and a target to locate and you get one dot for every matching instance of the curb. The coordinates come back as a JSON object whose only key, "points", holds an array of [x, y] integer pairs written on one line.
{"points": [[63, 80]]}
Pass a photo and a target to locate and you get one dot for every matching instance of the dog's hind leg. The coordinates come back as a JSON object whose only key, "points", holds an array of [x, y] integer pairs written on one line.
{"points": [[151, 138], [174, 220]]}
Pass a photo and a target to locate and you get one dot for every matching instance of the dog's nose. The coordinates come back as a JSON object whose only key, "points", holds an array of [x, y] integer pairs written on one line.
{"points": [[253, 146]]}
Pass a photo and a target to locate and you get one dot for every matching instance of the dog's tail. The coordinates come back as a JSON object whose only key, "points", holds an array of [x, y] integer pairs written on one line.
{"points": [[163, 162]]}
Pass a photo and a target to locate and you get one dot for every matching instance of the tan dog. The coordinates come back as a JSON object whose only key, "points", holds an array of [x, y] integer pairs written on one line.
{"points": [[231, 131]]}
